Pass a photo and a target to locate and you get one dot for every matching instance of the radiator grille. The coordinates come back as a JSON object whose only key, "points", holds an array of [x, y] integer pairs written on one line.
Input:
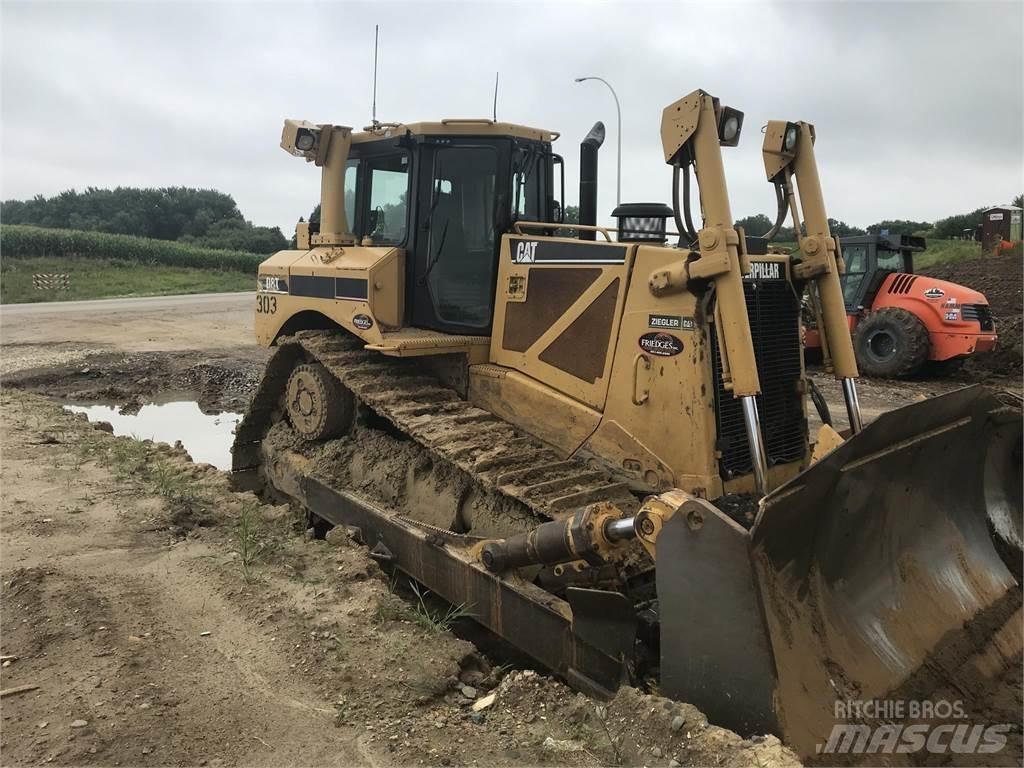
{"points": [[774, 313], [980, 313]]}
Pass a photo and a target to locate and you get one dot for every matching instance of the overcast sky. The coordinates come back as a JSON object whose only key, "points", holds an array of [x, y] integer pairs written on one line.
{"points": [[918, 107]]}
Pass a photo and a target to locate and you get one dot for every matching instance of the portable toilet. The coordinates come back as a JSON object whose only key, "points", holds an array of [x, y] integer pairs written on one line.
{"points": [[1002, 222]]}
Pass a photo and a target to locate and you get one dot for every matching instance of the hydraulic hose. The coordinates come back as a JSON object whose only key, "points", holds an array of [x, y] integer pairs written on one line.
{"points": [[687, 229], [780, 212], [690, 231]]}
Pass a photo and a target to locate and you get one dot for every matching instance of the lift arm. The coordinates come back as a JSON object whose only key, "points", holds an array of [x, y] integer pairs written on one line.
{"points": [[693, 131], [788, 152]]}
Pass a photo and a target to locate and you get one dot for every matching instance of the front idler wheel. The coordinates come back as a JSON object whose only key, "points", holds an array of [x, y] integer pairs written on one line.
{"points": [[317, 404]]}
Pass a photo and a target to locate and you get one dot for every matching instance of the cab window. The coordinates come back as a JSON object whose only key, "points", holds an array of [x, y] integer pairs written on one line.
{"points": [[351, 173], [385, 214], [856, 258], [890, 261], [528, 185]]}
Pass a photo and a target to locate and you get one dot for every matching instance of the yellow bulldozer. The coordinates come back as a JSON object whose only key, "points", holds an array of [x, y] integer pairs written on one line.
{"points": [[597, 440]]}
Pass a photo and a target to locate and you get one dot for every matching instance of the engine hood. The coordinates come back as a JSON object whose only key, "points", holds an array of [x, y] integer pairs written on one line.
{"points": [[931, 289]]}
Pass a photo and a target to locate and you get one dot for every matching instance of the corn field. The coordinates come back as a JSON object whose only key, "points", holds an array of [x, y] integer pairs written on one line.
{"points": [[24, 241]]}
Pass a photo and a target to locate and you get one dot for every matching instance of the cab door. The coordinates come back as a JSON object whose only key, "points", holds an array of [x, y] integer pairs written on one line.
{"points": [[457, 236]]}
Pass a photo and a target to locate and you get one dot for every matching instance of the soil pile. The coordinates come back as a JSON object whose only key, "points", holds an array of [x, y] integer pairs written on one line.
{"points": [[999, 278], [218, 381]]}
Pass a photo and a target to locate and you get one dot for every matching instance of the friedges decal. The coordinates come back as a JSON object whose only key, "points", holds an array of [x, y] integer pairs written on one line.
{"points": [[661, 344]]}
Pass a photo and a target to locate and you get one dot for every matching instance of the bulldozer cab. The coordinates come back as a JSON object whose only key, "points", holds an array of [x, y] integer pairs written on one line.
{"points": [[446, 200], [869, 260]]}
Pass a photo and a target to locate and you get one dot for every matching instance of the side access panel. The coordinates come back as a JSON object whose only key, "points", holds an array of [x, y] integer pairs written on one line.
{"points": [[360, 288], [658, 424], [557, 311]]}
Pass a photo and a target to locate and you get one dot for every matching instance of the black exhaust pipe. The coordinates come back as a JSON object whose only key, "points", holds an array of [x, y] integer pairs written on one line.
{"points": [[588, 178]]}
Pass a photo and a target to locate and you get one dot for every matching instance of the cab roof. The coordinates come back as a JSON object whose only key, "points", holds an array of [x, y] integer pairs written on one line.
{"points": [[453, 127]]}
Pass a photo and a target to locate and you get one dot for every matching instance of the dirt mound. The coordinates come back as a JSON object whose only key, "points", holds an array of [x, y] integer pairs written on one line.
{"points": [[999, 278], [633, 729]]}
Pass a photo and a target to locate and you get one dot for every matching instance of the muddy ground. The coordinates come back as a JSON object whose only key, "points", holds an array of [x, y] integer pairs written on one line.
{"points": [[169, 620], [1000, 278], [219, 380], [164, 619]]}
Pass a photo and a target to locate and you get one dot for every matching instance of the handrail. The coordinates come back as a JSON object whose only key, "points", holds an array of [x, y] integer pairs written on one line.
{"points": [[471, 120], [569, 225], [555, 225]]}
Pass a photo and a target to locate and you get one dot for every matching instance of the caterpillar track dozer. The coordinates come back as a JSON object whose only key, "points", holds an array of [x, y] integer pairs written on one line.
{"points": [[600, 445]]}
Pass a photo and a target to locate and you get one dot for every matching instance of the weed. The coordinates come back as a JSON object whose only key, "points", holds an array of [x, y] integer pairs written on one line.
{"points": [[89, 447], [614, 740], [127, 457], [170, 483], [435, 620], [248, 542]]}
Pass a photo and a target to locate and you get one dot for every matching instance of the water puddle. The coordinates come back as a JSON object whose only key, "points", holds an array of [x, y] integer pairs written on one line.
{"points": [[206, 437]]}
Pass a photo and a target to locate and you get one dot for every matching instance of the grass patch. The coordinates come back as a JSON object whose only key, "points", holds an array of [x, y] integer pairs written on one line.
{"points": [[435, 619], [172, 484], [420, 609], [105, 278], [941, 251], [127, 458], [249, 544]]}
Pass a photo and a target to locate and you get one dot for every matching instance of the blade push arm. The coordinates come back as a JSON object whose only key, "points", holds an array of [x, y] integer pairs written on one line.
{"points": [[789, 152]]}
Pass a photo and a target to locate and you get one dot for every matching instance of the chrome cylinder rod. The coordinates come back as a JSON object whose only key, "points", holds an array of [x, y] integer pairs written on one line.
{"points": [[617, 530], [757, 454], [852, 405]]}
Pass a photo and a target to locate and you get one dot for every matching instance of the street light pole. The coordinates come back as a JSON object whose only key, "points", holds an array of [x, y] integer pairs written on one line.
{"points": [[618, 137]]}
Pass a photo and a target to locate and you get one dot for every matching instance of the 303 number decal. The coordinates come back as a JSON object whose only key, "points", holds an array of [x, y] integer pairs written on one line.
{"points": [[266, 305]]}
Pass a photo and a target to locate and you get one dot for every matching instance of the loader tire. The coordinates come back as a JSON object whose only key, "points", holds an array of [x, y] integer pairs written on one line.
{"points": [[891, 343], [317, 404]]}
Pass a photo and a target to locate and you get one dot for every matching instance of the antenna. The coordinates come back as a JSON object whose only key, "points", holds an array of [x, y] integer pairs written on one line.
{"points": [[495, 97], [376, 32]]}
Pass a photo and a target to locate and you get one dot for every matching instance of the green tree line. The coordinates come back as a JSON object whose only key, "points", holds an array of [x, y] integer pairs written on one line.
{"points": [[205, 218], [948, 228]]}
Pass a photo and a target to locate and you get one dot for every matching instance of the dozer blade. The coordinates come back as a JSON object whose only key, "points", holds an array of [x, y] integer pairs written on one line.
{"points": [[890, 569]]}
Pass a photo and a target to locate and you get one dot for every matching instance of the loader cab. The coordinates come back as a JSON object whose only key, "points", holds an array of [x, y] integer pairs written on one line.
{"points": [[446, 197], [869, 260]]}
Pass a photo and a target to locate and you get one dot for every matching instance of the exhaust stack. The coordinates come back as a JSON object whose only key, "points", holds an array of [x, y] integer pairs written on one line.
{"points": [[588, 178]]}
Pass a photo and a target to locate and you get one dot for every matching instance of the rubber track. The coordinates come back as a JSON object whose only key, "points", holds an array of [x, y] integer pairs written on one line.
{"points": [[491, 451]]}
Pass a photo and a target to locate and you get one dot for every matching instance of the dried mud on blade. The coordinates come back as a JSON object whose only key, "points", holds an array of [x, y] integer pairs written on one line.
{"points": [[888, 570]]}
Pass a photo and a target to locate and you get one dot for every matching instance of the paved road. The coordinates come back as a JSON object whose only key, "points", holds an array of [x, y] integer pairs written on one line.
{"points": [[194, 321]]}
